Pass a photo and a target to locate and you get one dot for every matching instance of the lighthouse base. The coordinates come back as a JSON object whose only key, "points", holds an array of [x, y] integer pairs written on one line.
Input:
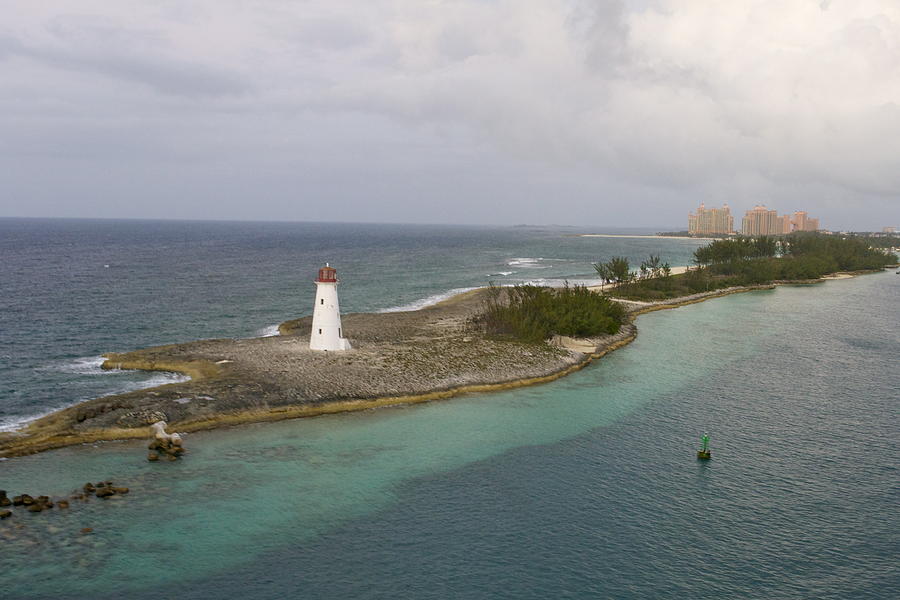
{"points": [[332, 345], [703, 455]]}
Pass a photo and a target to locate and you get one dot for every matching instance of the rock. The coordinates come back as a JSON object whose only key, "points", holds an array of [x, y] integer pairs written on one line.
{"points": [[88, 487], [17, 500], [141, 418], [26, 500], [4, 501], [35, 508], [5, 514], [86, 530], [104, 492], [121, 490], [152, 456], [101, 484], [2, 493], [171, 457], [62, 504]]}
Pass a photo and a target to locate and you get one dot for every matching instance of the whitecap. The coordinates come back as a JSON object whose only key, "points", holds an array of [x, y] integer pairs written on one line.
{"points": [[429, 301], [270, 331], [528, 263], [86, 365]]}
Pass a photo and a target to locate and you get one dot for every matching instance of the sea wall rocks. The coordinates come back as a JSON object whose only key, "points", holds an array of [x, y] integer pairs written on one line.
{"points": [[41, 503]]}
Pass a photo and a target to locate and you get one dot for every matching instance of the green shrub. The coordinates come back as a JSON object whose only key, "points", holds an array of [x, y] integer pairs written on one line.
{"points": [[534, 314]]}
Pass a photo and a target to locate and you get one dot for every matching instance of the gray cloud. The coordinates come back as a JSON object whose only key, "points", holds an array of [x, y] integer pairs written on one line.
{"points": [[618, 112]]}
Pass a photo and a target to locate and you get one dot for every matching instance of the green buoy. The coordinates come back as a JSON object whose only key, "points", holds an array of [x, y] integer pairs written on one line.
{"points": [[703, 452]]}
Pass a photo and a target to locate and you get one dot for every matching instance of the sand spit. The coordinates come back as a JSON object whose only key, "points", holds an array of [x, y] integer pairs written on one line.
{"points": [[397, 358]]}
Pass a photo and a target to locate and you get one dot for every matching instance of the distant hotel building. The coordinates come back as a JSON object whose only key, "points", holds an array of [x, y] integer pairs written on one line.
{"points": [[762, 221], [803, 222], [710, 220]]}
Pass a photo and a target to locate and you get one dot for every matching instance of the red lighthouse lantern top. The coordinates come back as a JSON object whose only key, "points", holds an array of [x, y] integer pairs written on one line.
{"points": [[327, 274]]}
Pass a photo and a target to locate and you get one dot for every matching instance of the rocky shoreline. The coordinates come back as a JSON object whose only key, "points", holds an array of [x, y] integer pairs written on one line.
{"points": [[397, 358]]}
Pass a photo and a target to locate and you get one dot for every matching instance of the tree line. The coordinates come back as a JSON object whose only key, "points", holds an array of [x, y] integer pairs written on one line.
{"points": [[746, 261]]}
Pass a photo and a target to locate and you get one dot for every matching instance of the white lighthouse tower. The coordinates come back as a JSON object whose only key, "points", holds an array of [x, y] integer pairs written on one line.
{"points": [[326, 331]]}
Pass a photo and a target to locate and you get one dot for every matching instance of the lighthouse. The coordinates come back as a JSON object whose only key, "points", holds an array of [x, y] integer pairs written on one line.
{"points": [[326, 333]]}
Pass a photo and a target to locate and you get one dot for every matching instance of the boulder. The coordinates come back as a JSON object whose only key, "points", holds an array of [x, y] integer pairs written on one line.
{"points": [[26, 500], [35, 508], [140, 418], [62, 504], [88, 488], [4, 501], [152, 456], [5, 514], [104, 492], [121, 490], [18, 500]]}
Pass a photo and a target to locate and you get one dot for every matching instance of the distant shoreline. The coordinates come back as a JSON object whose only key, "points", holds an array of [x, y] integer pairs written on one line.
{"points": [[649, 237]]}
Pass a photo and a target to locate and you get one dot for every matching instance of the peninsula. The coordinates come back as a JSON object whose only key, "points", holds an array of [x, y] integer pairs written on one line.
{"points": [[407, 357], [397, 358]]}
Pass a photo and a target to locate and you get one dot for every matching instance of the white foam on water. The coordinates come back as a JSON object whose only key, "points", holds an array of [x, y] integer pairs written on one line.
{"points": [[526, 263], [10, 424], [90, 365], [86, 365], [429, 301], [501, 274], [270, 331]]}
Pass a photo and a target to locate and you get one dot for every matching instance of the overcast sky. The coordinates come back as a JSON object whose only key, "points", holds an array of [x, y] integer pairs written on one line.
{"points": [[588, 113]]}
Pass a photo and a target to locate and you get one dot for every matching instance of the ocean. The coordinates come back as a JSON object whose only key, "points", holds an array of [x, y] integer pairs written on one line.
{"points": [[586, 487]]}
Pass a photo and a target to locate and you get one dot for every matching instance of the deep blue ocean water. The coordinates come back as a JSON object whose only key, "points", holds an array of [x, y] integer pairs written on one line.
{"points": [[586, 487]]}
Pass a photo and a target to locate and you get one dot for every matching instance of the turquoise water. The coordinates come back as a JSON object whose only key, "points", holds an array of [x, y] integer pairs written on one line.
{"points": [[582, 488]]}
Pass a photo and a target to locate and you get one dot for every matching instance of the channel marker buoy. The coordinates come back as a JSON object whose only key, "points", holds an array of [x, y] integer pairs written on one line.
{"points": [[703, 453]]}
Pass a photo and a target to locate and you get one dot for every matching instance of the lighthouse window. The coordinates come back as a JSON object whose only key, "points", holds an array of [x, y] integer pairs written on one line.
{"points": [[320, 332], [322, 301], [339, 332]]}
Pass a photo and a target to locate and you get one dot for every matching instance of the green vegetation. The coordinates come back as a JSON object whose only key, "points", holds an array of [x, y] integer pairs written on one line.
{"points": [[876, 240], [533, 314], [745, 261]]}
